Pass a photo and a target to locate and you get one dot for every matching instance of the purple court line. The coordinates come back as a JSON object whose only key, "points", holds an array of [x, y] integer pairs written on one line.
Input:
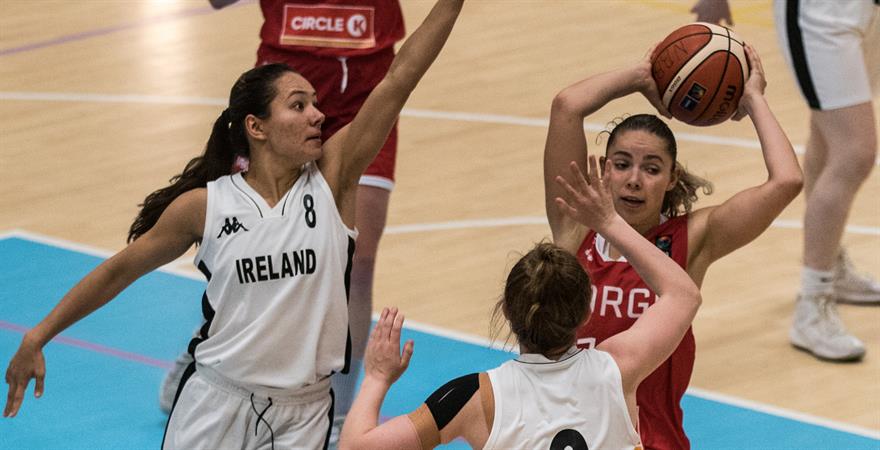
{"points": [[202, 10], [97, 348]]}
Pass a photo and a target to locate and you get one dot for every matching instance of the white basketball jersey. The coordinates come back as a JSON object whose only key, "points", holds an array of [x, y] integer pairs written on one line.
{"points": [[275, 307], [576, 402]]}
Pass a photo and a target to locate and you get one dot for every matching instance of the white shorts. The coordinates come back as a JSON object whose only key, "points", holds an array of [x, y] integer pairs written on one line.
{"points": [[212, 412], [833, 48]]}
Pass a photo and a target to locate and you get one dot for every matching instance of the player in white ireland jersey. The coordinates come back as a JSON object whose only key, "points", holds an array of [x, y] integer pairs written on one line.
{"points": [[275, 244]]}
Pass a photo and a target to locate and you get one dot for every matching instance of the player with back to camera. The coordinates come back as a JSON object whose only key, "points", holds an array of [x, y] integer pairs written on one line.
{"points": [[833, 49], [275, 244], [655, 194], [344, 64], [545, 300]]}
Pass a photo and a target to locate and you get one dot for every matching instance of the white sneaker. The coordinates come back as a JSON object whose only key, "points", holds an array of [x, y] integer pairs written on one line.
{"points": [[336, 432], [851, 286], [172, 381], [818, 329]]}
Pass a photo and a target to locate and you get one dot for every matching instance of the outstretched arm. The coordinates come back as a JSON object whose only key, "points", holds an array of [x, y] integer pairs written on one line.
{"points": [[452, 411], [746, 215], [566, 141], [656, 334], [383, 365], [177, 229], [350, 151]]}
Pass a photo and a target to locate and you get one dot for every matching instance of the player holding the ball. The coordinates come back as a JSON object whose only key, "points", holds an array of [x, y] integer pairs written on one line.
{"points": [[654, 194]]}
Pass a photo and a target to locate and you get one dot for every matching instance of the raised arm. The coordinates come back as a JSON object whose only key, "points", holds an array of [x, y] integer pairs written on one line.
{"points": [[656, 334], [177, 229], [348, 153], [746, 215], [456, 409], [566, 141], [383, 365]]}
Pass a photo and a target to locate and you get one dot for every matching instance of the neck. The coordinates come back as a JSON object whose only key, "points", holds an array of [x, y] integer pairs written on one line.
{"points": [[271, 182], [553, 354]]}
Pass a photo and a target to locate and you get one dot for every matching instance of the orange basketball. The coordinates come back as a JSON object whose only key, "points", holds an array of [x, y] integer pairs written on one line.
{"points": [[700, 70]]}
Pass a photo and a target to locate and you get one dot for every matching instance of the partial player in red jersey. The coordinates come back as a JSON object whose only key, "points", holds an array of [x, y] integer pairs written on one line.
{"points": [[654, 194], [344, 47]]}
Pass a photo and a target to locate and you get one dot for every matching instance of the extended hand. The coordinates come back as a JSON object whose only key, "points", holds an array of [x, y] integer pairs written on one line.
{"points": [[647, 85], [755, 85], [26, 364], [588, 200], [383, 359]]}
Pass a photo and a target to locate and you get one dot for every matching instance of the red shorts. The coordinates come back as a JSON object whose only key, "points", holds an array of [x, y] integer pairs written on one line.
{"points": [[342, 86]]}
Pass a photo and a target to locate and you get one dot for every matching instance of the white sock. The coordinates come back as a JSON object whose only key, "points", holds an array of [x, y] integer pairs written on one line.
{"points": [[815, 282], [345, 387]]}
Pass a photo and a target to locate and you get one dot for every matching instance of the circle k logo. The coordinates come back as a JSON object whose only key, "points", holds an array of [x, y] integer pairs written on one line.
{"points": [[356, 25]]}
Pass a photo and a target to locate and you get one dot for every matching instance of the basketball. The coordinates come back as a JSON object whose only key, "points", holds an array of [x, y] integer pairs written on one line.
{"points": [[700, 70]]}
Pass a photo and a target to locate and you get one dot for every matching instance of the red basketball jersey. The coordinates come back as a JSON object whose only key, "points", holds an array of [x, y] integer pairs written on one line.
{"points": [[619, 297], [330, 27]]}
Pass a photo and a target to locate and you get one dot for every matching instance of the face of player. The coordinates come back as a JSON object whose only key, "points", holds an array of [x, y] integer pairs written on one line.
{"points": [[293, 128], [641, 174]]}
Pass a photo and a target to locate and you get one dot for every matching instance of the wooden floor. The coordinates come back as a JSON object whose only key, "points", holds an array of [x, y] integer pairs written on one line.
{"points": [[102, 102]]}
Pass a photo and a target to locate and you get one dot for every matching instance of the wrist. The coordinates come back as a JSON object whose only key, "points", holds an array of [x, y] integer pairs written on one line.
{"points": [[749, 101], [375, 382], [33, 339], [610, 223]]}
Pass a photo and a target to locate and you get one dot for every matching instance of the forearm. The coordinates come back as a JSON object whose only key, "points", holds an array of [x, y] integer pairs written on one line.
{"points": [[654, 267], [364, 414], [589, 95], [779, 157], [423, 46], [92, 292]]}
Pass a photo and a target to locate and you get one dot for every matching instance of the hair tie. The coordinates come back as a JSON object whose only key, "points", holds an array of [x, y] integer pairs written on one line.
{"points": [[225, 116]]}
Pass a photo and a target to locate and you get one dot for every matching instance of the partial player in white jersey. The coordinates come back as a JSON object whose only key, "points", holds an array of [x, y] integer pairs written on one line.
{"points": [[833, 51], [546, 299], [276, 244]]}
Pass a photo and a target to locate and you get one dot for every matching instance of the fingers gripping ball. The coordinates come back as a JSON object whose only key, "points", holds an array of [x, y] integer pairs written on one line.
{"points": [[700, 70]]}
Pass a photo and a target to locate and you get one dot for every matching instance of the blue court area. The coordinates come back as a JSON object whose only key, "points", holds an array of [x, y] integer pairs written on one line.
{"points": [[103, 374]]}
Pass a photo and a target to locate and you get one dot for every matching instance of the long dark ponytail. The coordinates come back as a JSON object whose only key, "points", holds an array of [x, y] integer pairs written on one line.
{"points": [[250, 95]]}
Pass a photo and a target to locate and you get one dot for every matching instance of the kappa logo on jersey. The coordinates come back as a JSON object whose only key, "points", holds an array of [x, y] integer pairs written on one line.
{"points": [[337, 26], [231, 227], [664, 243]]}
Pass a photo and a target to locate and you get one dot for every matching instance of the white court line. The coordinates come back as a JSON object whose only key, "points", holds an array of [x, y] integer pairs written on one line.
{"points": [[481, 341], [170, 268], [497, 119], [537, 220]]}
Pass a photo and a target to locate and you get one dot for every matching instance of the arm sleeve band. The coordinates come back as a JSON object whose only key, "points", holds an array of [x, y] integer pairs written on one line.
{"points": [[446, 402]]}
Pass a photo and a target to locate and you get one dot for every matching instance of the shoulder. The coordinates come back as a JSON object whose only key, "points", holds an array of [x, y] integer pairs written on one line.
{"points": [[188, 210], [192, 198]]}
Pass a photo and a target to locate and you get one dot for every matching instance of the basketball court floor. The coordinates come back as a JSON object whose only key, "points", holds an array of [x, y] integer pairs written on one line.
{"points": [[102, 102]]}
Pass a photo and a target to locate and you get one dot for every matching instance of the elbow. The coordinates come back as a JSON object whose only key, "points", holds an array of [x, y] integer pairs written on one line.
{"points": [[693, 294], [402, 79], [564, 102], [791, 185]]}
